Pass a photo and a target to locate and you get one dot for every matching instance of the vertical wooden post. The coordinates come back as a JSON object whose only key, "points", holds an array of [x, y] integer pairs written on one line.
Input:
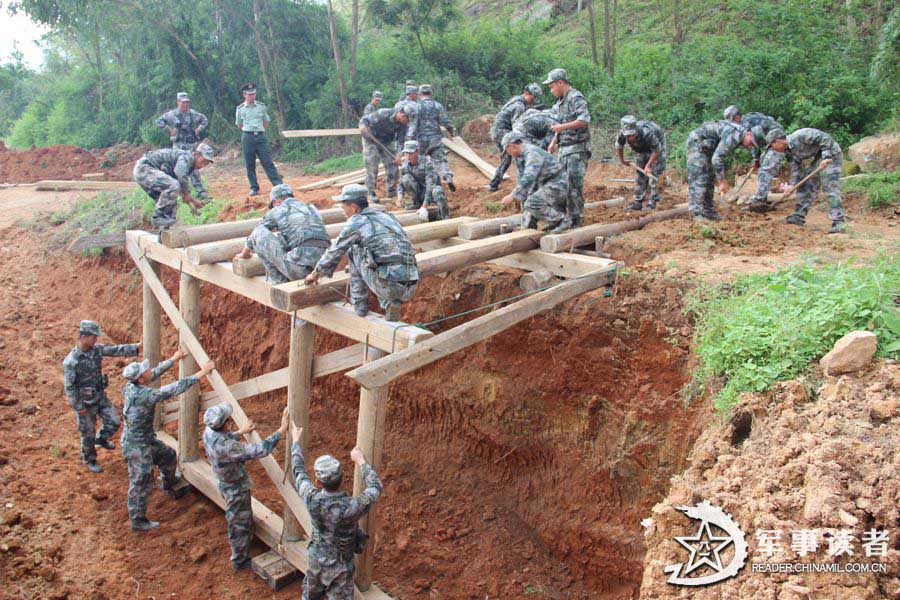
{"points": [[152, 313], [300, 363], [188, 429], [370, 439]]}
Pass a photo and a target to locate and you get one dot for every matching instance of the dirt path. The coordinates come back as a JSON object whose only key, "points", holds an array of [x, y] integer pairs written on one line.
{"points": [[17, 203]]}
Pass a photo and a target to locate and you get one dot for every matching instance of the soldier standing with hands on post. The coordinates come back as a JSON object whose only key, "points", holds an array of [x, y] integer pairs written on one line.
{"points": [[252, 118]]}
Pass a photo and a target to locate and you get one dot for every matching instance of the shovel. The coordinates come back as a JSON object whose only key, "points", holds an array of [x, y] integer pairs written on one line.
{"points": [[794, 188], [733, 196]]}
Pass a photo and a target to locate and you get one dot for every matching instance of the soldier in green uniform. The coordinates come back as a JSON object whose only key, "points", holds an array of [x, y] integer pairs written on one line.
{"points": [[419, 180], [542, 186], [573, 139], [252, 118], [164, 175], [503, 124], [372, 106]]}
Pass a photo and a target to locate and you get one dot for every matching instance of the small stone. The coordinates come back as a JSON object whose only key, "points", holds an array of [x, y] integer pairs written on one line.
{"points": [[30, 409], [846, 518], [883, 410], [432, 492], [198, 553], [850, 353], [99, 494]]}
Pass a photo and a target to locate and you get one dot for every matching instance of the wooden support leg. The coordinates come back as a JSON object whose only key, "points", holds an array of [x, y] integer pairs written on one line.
{"points": [[300, 370], [370, 439], [188, 428], [151, 337]]}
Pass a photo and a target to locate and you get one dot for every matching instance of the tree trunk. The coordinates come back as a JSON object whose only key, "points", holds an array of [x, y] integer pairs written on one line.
{"points": [[590, 8], [354, 39], [265, 65], [607, 44], [338, 62], [678, 34]]}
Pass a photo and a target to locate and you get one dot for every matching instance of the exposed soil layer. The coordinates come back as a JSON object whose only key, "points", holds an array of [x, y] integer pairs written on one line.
{"points": [[68, 162]]}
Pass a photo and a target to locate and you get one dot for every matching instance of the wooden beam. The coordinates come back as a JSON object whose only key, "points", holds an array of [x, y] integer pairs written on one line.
{"points": [[151, 338], [306, 133], [461, 148], [300, 377], [536, 280], [188, 427], [581, 236], [53, 185], [339, 179], [488, 227], [381, 372], [103, 240]]}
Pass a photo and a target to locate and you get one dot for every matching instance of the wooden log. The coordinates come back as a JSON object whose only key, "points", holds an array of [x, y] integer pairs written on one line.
{"points": [[53, 185], [462, 149], [94, 177], [381, 372], [370, 439], [561, 242], [300, 376], [151, 338], [103, 240], [295, 295], [330, 180], [306, 133], [536, 280], [488, 227], [188, 427]]}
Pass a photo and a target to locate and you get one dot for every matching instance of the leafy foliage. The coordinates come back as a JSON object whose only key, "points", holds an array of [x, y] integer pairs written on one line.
{"points": [[339, 164], [883, 189]]}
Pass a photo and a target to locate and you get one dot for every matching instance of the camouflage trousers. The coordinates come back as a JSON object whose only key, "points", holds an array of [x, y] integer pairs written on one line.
{"points": [[239, 516], [196, 182], [364, 278], [505, 159], [701, 181], [548, 203], [641, 181], [141, 459], [373, 154], [328, 583], [282, 265], [575, 165], [829, 179], [768, 169], [87, 427], [438, 153], [165, 190], [415, 195]]}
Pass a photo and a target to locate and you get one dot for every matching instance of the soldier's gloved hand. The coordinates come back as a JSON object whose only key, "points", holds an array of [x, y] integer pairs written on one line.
{"points": [[356, 455]]}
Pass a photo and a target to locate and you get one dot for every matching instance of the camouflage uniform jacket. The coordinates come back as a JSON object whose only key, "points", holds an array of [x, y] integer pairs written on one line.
{"points": [[537, 166], [383, 127], [380, 239], [184, 125], [811, 143], [423, 172], [430, 118], [573, 107], [334, 514], [173, 162], [140, 402], [299, 224], [370, 108], [718, 139], [227, 454], [83, 376], [650, 138], [508, 113], [535, 125], [760, 125]]}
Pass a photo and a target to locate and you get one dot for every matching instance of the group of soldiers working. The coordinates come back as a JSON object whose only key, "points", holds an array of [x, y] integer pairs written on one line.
{"points": [[335, 537]]}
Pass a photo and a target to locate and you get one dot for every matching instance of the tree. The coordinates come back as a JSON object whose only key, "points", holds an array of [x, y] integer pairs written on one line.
{"points": [[418, 17], [592, 22], [338, 63]]}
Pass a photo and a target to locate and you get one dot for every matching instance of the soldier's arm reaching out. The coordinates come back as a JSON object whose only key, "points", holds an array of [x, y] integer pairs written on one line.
{"points": [[118, 349], [305, 485], [360, 505], [173, 389], [238, 452]]}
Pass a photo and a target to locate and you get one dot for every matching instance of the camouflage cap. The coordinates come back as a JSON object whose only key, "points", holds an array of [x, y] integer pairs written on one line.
{"points": [[408, 108], [282, 190], [533, 88], [424, 89], [376, 95], [206, 151], [352, 193], [412, 89], [551, 113], [774, 134], [410, 146], [628, 124], [215, 416], [183, 97], [556, 75], [133, 370], [410, 82], [512, 137], [327, 468], [89, 328], [731, 112]]}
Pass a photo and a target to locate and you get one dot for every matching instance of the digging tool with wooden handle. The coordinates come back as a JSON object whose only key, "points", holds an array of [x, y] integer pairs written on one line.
{"points": [[645, 173], [794, 188], [733, 196]]}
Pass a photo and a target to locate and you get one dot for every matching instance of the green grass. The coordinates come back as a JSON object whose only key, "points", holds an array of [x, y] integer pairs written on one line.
{"points": [[767, 328], [883, 189], [340, 164]]}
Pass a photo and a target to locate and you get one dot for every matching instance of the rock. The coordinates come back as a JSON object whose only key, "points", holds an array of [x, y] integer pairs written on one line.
{"points": [[99, 495], [198, 553], [478, 130], [883, 410], [30, 409], [877, 153], [850, 353], [6, 401], [846, 518]]}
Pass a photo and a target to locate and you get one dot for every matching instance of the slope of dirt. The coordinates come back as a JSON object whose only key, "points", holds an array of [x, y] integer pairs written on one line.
{"points": [[792, 460], [68, 162]]}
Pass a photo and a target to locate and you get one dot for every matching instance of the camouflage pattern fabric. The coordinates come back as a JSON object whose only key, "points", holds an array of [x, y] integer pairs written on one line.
{"points": [[420, 183], [372, 155], [299, 245], [370, 108], [437, 152], [503, 124], [535, 126], [542, 185], [384, 128], [382, 259], [649, 138], [706, 149], [140, 447], [575, 166], [83, 381], [768, 170], [760, 124], [334, 519], [185, 124], [164, 174], [573, 107]]}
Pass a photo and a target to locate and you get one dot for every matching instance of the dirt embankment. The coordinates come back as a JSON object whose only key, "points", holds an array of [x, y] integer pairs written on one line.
{"points": [[68, 162]]}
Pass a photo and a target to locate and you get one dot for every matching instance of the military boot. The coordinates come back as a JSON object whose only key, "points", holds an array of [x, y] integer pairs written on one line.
{"points": [[393, 312], [651, 205], [576, 221], [563, 225], [93, 467], [636, 205], [172, 488], [143, 524], [240, 565], [361, 308], [451, 185], [795, 219], [104, 443], [837, 227], [713, 216]]}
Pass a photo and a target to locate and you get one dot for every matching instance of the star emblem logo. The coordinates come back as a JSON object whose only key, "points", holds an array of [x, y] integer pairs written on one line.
{"points": [[702, 546]]}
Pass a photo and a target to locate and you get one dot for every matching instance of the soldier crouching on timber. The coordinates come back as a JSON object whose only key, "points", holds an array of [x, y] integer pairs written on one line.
{"points": [[227, 456], [302, 241], [336, 537], [140, 446], [542, 186], [85, 386], [164, 175], [419, 180], [382, 259]]}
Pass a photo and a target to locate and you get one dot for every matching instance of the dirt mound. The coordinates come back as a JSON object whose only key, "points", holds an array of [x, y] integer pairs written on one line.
{"points": [[792, 460], [877, 153], [478, 131], [68, 162]]}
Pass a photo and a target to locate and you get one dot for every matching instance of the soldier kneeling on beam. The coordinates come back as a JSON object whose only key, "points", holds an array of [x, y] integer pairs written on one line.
{"points": [[140, 446], [419, 181], [336, 537], [542, 186], [302, 241], [382, 258]]}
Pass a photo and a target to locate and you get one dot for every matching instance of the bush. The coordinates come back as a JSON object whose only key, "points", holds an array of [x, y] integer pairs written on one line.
{"points": [[883, 189], [340, 164]]}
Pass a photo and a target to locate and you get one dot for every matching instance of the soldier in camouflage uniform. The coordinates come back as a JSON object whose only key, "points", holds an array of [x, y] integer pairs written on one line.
{"points": [[382, 259], [573, 139], [503, 124], [419, 180], [820, 150], [733, 114], [372, 106], [140, 447], [381, 131], [164, 175], [760, 125], [410, 93], [706, 149], [648, 142], [186, 128], [542, 186], [85, 386], [335, 536], [431, 117], [227, 456], [537, 126], [290, 239]]}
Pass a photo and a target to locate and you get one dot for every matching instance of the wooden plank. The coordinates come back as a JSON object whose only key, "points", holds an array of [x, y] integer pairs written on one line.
{"points": [[188, 427], [55, 185], [383, 371], [102, 240], [586, 235], [151, 321], [461, 148], [488, 227], [274, 570], [306, 133], [332, 180], [300, 378]]}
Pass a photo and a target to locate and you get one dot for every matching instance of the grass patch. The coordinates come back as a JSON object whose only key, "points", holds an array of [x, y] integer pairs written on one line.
{"points": [[339, 164], [883, 189], [767, 328]]}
